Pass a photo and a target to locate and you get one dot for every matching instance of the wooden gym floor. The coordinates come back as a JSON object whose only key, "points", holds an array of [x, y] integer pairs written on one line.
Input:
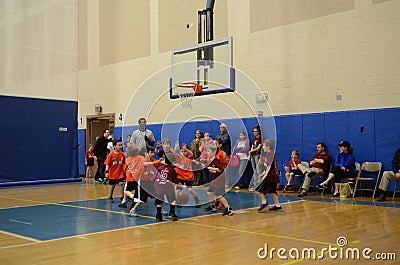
{"points": [[72, 224]]}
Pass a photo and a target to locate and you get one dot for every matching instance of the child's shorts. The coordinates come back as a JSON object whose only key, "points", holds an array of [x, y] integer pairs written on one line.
{"points": [[217, 191], [115, 181]]}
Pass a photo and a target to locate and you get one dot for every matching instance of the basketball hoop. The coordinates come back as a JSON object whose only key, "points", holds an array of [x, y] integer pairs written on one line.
{"points": [[186, 92]]}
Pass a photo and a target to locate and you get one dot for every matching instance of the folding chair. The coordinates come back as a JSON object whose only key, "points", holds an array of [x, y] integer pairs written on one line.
{"points": [[394, 190], [358, 170], [370, 171]]}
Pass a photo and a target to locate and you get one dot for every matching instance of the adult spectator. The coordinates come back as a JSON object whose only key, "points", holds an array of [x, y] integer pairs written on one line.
{"points": [[128, 141], [241, 149], [226, 139], [389, 175], [142, 137], [254, 156], [320, 164], [100, 154], [345, 167], [195, 145], [195, 148]]}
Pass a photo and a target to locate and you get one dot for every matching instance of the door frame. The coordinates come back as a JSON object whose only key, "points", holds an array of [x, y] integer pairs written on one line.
{"points": [[90, 125]]}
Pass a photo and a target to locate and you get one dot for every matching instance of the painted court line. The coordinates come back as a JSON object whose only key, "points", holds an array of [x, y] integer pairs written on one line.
{"points": [[66, 205], [19, 236], [21, 222]]}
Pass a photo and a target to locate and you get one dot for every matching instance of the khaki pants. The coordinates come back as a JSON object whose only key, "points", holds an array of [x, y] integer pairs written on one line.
{"points": [[307, 179], [386, 178]]}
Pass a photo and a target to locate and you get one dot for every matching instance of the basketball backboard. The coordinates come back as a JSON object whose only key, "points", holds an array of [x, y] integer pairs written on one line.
{"points": [[208, 64]]}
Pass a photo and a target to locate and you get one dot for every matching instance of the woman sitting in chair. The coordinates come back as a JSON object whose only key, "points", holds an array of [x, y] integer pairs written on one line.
{"points": [[344, 167]]}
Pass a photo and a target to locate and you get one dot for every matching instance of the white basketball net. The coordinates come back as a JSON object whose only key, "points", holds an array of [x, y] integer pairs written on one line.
{"points": [[186, 93]]}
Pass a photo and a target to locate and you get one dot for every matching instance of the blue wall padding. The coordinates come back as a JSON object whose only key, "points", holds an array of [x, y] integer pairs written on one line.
{"points": [[363, 138], [82, 151], [291, 136], [336, 130], [387, 134], [378, 141], [313, 133], [36, 150]]}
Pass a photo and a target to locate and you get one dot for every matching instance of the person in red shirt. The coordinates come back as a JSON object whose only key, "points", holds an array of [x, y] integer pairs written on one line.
{"points": [[164, 186], [89, 159], [184, 171], [269, 178], [254, 156], [217, 186], [134, 169], [320, 165], [115, 169], [292, 170]]}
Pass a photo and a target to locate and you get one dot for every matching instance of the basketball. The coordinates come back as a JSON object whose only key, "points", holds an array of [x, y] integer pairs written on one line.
{"points": [[182, 197]]}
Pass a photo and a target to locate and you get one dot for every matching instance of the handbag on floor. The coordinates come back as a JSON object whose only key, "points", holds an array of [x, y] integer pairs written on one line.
{"points": [[345, 190]]}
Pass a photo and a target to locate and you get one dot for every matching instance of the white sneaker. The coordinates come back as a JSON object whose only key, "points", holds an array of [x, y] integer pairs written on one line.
{"points": [[133, 213], [237, 188], [251, 189]]}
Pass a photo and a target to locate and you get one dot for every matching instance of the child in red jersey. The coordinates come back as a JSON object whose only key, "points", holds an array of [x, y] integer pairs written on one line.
{"points": [[164, 186], [115, 168], [184, 171], [89, 159], [145, 186], [269, 178], [221, 155], [292, 170], [134, 168], [166, 147], [217, 186]]}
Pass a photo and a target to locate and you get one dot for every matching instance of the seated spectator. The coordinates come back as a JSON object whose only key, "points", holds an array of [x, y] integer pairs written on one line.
{"points": [[389, 175], [319, 165], [292, 170], [345, 167]]}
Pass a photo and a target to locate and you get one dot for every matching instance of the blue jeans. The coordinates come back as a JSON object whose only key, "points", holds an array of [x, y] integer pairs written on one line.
{"points": [[257, 170], [242, 182]]}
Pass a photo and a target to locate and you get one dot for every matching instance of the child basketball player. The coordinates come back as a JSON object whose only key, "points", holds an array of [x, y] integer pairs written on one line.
{"points": [[145, 187], [164, 186], [217, 187], [184, 171], [115, 168], [89, 157], [166, 147], [134, 168], [270, 177]]}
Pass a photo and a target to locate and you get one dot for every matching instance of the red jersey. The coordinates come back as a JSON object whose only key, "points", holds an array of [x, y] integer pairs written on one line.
{"points": [[293, 165], [270, 160], [149, 169], [217, 178], [255, 143], [164, 180], [221, 156], [115, 164], [134, 168], [184, 167], [89, 155]]}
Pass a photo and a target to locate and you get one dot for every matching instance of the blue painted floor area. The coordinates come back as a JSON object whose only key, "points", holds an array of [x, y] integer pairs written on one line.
{"points": [[53, 221]]}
